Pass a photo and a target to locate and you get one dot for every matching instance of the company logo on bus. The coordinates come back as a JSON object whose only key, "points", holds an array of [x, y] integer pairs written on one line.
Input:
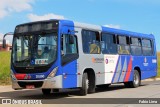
{"points": [[106, 61], [97, 60], [93, 60], [109, 61], [145, 60], [27, 76], [40, 76]]}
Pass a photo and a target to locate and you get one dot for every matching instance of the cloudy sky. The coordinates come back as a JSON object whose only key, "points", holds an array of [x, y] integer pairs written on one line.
{"points": [[133, 15]]}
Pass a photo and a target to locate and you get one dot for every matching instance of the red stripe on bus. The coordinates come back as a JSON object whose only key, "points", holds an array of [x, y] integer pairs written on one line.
{"points": [[128, 70]]}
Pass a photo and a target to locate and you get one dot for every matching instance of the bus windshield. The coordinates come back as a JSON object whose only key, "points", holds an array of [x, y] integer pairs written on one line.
{"points": [[34, 50]]}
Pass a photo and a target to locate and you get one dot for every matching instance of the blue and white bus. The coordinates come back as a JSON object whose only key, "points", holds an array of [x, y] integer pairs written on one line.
{"points": [[62, 54]]}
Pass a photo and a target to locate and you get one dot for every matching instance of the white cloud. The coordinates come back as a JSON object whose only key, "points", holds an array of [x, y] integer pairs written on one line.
{"points": [[34, 17], [8, 6], [1, 36], [113, 26]]}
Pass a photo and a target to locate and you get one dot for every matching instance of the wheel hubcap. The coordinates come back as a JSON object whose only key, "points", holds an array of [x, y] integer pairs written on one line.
{"points": [[136, 79], [87, 83]]}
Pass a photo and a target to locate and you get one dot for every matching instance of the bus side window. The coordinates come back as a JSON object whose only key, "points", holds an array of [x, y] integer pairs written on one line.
{"points": [[136, 48], [147, 47], [123, 45], [67, 47], [69, 51], [108, 44], [91, 42]]}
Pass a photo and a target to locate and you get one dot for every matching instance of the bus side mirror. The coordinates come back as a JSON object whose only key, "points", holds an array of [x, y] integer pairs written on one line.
{"points": [[4, 43], [71, 39], [4, 40]]}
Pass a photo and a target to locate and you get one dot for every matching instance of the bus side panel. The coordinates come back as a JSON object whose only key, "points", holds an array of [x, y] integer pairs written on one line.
{"points": [[89, 61], [70, 69], [70, 75], [126, 68], [110, 64], [79, 63], [123, 69], [149, 67]]}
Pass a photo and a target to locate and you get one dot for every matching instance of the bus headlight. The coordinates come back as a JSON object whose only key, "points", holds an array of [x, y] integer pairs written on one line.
{"points": [[12, 75], [53, 73]]}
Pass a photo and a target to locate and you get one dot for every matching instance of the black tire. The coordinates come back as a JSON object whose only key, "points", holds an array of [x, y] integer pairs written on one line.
{"points": [[46, 91], [91, 84], [103, 86], [136, 81], [84, 88]]}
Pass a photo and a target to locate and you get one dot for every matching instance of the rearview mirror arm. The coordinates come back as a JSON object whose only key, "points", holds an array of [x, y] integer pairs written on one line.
{"points": [[4, 41]]}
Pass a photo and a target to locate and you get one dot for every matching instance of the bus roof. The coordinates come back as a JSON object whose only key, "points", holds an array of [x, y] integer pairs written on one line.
{"points": [[108, 30], [127, 33], [98, 28]]}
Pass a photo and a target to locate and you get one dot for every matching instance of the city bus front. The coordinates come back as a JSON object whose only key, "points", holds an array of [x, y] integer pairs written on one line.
{"points": [[35, 60]]}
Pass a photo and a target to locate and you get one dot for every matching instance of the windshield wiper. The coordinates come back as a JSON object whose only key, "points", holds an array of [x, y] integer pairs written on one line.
{"points": [[24, 60]]}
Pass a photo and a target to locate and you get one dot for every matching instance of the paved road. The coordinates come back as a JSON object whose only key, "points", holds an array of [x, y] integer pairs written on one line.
{"points": [[148, 89]]}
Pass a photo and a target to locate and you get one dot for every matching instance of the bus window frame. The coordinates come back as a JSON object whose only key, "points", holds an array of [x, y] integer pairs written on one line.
{"points": [[76, 55], [96, 31], [152, 46], [136, 45], [115, 42], [118, 44]]}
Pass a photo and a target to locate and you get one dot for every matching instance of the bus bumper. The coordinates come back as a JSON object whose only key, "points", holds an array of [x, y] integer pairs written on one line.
{"points": [[52, 83]]}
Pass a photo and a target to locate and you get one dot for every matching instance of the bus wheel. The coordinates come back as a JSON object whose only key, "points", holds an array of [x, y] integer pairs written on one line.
{"points": [[46, 91], [103, 86], [85, 84], [136, 81], [91, 84]]}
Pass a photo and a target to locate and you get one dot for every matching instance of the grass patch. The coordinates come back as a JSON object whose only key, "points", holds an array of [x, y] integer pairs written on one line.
{"points": [[5, 68]]}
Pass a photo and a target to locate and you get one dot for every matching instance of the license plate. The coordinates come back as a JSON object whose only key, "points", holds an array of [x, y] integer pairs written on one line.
{"points": [[30, 87]]}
